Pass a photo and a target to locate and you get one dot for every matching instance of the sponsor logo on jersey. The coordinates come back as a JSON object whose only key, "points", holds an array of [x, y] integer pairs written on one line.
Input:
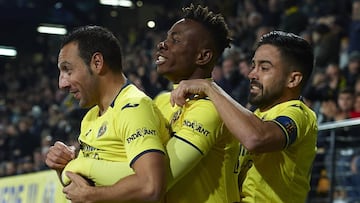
{"points": [[195, 126], [89, 151], [142, 132]]}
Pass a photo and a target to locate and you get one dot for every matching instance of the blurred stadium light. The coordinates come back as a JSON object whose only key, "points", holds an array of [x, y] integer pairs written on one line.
{"points": [[52, 29], [123, 3], [7, 51]]}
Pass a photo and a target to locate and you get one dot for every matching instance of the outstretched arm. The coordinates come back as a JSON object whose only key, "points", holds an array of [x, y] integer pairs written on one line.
{"points": [[256, 135]]}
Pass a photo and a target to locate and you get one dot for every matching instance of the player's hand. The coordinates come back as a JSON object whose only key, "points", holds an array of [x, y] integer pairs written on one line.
{"points": [[187, 89], [59, 155], [78, 189]]}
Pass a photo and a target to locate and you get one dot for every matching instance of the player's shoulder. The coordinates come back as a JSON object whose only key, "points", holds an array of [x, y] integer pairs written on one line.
{"points": [[131, 96], [292, 105], [201, 109], [162, 96], [295, 109], [301, 107], [201, 102]]}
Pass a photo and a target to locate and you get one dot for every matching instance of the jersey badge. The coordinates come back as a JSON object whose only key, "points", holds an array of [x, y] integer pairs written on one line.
{"points": [[175, 116], [102, 129]]}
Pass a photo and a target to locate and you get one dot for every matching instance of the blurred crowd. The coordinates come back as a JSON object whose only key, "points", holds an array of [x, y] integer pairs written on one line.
{"points": [[34, 113]]}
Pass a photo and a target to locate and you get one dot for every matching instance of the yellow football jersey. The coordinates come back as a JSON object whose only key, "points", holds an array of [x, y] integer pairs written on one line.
{"points": [[283, 176], [131, 126], [214, 178]]}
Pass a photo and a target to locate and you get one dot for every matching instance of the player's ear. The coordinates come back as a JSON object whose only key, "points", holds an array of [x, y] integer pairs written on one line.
{"points": [[204, 57], [97, 60], [295, 79]]}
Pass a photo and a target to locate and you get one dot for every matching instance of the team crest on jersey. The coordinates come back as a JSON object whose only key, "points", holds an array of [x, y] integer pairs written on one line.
{"points": [[102, 129], [175, 116]]}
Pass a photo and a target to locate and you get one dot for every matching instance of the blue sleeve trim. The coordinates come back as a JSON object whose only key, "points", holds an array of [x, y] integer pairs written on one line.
{"points": [[289, 128], [144, 152], [180, 138]]}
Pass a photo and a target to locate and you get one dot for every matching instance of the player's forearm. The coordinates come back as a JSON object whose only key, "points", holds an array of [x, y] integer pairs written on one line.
{"points": [[146, 185], [129, 189], [241, 122]]}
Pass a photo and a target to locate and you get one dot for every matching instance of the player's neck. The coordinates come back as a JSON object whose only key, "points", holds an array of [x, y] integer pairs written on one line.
{"points": [[110, 88]]}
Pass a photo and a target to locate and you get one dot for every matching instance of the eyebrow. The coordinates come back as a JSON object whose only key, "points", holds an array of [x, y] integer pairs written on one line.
{"points": [[173, 33], [262, 62], [64, 63]]}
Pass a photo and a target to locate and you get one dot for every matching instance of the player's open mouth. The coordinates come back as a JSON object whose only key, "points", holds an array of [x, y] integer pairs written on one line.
{"points": [[160, 60], [255, 88], [76, 94]]}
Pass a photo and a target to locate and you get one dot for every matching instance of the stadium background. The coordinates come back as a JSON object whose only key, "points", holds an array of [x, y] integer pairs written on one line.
{"points": [[34, 113]]}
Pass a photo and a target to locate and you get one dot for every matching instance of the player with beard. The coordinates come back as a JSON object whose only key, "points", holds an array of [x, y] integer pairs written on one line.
{"points": [[279, 137]]}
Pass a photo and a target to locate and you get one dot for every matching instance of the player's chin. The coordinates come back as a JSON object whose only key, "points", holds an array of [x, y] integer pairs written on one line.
{"points": [[254, 99], [162, 70], [84, 104]]}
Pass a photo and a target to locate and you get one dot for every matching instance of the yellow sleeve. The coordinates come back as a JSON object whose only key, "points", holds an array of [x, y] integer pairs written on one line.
{"points": [[80, 165], [183, 157], [201, 125], [100, 172], [141, 130], [109, 172]]}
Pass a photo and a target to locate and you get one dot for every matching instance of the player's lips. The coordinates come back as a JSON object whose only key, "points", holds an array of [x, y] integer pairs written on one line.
{"points": [[255, 87], [76, 94], [160, 59]]}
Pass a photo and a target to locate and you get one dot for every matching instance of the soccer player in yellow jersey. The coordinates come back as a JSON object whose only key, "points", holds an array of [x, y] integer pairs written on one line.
{"points": [[203, 154], [105, 147], [122, 127], [279, 138]]}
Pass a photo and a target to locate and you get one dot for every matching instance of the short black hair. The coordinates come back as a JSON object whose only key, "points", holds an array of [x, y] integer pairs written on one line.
{"points": [[214, 23], [92, 39], [294, 50]]}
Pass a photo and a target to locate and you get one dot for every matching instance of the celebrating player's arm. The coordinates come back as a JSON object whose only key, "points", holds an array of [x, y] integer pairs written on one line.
{"points": [[257, 135], [281, 131], [141, 185]]}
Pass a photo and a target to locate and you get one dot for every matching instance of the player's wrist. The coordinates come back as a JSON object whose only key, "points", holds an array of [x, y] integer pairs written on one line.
{"points": [[91, 194], [210, 89]]}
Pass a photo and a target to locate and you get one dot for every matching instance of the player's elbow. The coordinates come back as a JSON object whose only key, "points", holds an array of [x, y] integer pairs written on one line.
{"points": [[254, 144], [252, 147], [264, 144], [153, 192]]}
